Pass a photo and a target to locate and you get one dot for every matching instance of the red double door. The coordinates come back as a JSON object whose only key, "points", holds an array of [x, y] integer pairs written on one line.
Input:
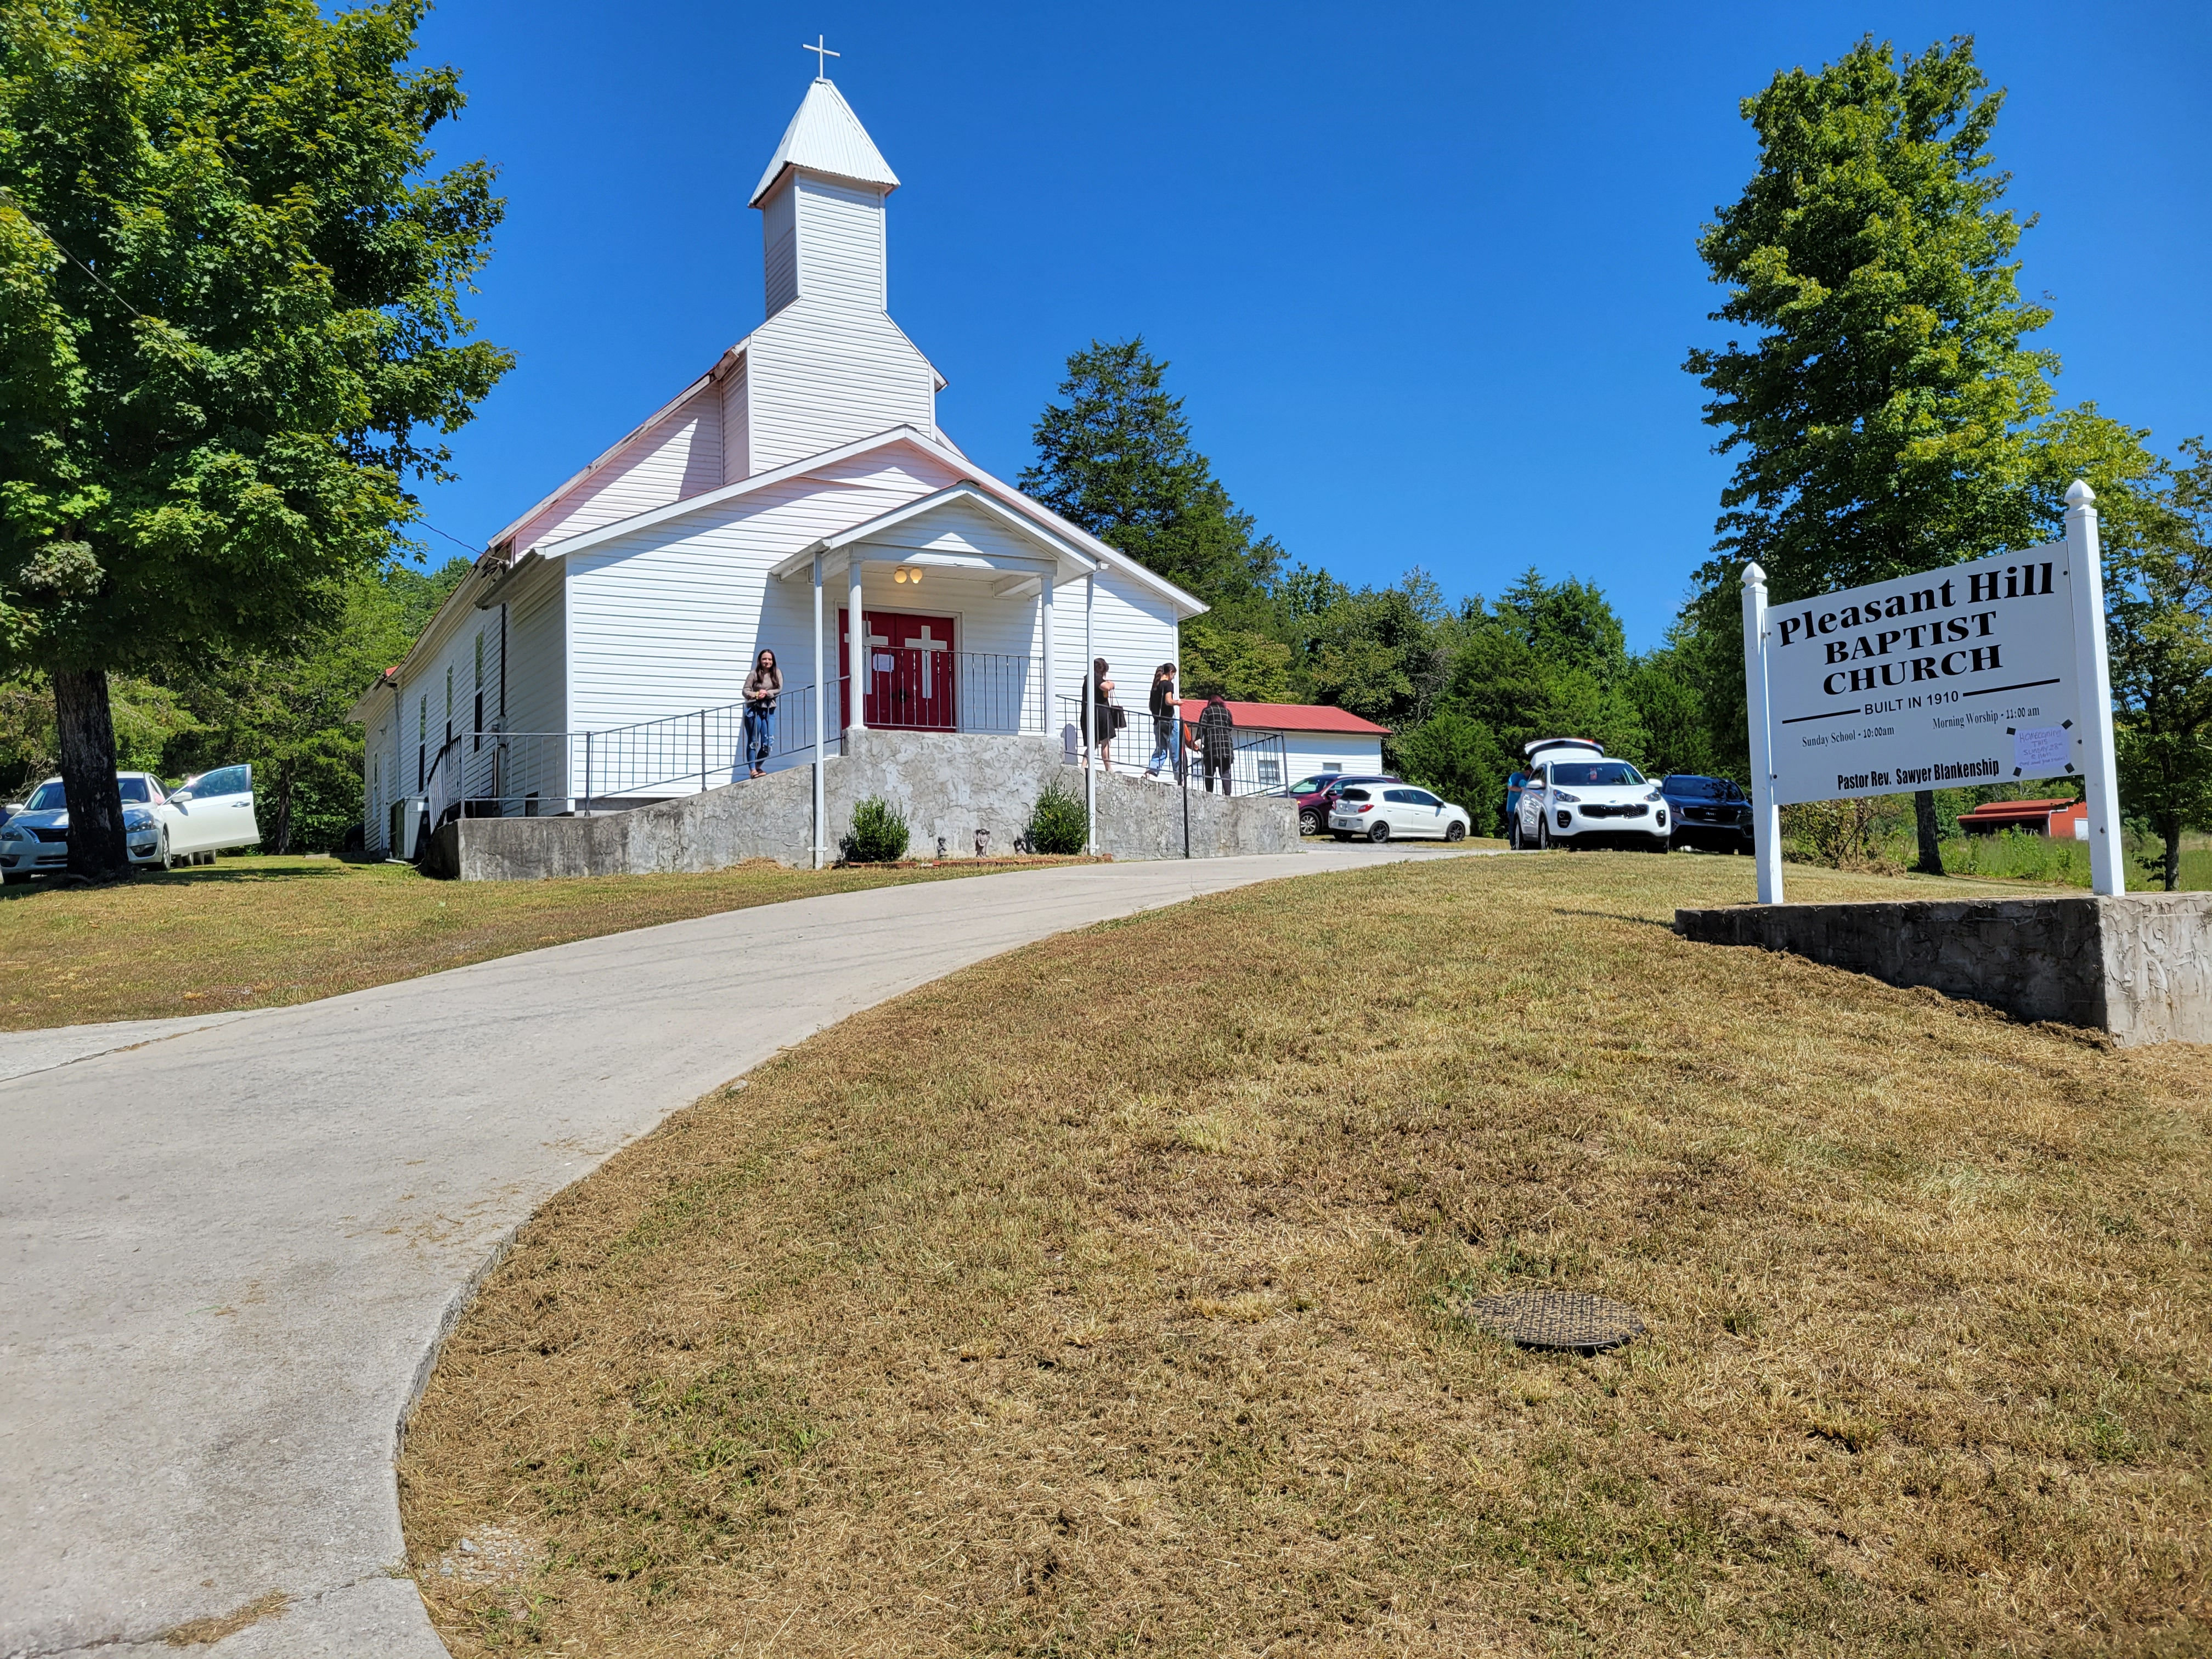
{"points": [[913, 684]]}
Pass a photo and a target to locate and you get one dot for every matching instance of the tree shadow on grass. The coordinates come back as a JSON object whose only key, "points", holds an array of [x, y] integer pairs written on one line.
{"points": [[205, 875], [1615, 915]]}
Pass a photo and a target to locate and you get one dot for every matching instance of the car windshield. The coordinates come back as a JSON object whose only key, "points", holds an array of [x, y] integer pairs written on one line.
{"points": [[134, 791], [49, 799], [1308, 785], [1707, 788], [1596, 774]]}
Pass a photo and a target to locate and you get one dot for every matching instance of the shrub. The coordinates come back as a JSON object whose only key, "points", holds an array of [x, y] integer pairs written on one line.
{"points": [[879, 834], [1058, 823], [1845, 835]]}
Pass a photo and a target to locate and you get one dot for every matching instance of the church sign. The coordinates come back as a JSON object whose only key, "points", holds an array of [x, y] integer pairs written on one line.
{"points": [[1991, 672], [1960, 676]]}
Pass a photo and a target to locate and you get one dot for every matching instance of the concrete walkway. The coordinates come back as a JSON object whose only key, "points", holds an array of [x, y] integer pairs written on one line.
{"points": [[234, 1242]]}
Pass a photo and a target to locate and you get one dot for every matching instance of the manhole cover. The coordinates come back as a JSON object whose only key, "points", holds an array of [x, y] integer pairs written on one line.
{"points": [[1557, 1319]]}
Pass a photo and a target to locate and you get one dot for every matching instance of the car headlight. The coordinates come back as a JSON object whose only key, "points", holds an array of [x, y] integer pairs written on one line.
{"points": [[1654, 795], [13, 835], [1562, 795], [137, 818]]}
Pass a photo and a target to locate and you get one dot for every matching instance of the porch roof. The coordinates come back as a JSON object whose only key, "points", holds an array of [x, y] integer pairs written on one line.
{"points": [[926, 532]]}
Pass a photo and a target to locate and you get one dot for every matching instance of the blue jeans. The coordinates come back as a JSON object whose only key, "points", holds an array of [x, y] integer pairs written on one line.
{"points": [[760, 735], [1167, 745]]}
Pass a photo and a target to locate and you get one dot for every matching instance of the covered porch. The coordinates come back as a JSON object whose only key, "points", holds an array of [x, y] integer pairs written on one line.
{"points": [[959, 598]]}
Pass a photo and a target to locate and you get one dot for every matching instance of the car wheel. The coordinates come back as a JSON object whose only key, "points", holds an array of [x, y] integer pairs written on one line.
{"points": [[1661, 844], [1310, 823], [13, 878], [167, 862], [1456, 831], [1381, 832]]}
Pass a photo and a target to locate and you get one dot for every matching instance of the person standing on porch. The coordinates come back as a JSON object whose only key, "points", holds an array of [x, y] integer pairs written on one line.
{"points": [[1166, 725], [762, 687], [1100, 705], [1217, 740]]}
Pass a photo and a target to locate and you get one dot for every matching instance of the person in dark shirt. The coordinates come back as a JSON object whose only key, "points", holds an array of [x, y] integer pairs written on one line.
{"points": [[1167, 723], [1217, 740]]}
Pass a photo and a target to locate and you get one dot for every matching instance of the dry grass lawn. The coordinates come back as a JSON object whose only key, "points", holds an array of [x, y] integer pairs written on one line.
{"points": [[1102, 1299], [258, 933]]}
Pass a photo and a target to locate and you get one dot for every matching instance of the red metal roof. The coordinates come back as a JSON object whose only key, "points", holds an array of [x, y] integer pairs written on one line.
{"points": [[1290, 717], [2023, 809]]}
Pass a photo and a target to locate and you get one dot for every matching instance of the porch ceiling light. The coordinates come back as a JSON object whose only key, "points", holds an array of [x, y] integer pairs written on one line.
{"points": [[907, 573]]}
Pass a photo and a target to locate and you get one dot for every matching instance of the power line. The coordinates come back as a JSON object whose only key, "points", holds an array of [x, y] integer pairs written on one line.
{"points": [[16, 203], [456, 540]]}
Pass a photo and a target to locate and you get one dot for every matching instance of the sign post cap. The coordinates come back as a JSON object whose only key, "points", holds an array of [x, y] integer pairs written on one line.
{"points": [[1755, 577], [2078, 494]]}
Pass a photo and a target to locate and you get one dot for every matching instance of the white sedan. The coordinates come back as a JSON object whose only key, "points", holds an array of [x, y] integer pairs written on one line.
{"points": [[1592, 802], [200, 818], [1380, 811]]}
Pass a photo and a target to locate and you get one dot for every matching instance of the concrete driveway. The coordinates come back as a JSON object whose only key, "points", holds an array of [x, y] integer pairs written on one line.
{"points": [[233, 1243]]}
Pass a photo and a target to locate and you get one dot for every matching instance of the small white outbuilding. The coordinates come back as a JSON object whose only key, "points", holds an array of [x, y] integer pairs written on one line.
{"points": [[597, 652]]}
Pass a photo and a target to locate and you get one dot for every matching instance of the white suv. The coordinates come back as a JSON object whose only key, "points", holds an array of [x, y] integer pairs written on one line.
{"points": [[1581, 799]]}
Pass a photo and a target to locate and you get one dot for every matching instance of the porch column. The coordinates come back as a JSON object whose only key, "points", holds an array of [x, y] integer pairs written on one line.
{"points": [[1088, 720], [857, 654], [819, 847], [1045, 599]]}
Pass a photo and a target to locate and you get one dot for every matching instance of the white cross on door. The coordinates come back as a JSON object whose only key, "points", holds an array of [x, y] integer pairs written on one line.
{"points": [[927, 644]]}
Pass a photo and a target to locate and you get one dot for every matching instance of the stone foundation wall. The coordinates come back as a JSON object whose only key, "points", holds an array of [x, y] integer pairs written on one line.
{"points": [[2139, 967], [948, 787]]}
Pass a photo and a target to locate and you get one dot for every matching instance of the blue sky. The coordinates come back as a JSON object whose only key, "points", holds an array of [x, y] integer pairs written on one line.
{"points": [[1425, 275]]}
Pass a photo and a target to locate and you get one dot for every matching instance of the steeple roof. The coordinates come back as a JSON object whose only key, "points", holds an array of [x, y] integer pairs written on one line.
{"points": [[826, 136]]}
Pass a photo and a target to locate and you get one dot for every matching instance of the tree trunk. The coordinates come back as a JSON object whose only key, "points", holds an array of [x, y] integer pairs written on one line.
{"points": [[2171, 871], [1931, 847], [87, 730], [280, 842]]}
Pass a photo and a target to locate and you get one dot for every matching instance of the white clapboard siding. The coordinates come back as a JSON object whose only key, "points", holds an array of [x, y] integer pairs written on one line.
{"points": [[668, 619], [1310, 752], [537, 687], [677, 456], [823, 374], [736, 424], [780, 250], [840, 242], [380, 777], [1133, 628]]}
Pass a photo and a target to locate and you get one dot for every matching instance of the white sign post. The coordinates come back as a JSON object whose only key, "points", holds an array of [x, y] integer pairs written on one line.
{"points": [[2100, 776], [1765, 813], [1984, 672]]}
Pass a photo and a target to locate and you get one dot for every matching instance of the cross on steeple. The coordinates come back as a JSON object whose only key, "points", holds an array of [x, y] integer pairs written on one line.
{"points": [[822, 56]]}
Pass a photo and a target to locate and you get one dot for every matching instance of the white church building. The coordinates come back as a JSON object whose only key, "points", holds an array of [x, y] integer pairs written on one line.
{"points": [[594, 658]]}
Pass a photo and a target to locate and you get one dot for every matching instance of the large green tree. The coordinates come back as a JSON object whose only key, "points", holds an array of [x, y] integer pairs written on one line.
{"points": [[1114, 455], [231, 315], [1881, 412], [2158, 597]]}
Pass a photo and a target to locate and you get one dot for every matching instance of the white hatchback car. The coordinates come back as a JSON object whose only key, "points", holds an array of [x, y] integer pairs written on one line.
{"points": [[1380, 811], [1588, 800]]}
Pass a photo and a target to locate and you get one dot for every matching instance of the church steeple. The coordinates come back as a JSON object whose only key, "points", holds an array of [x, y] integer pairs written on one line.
{"points": [[821, 202]]}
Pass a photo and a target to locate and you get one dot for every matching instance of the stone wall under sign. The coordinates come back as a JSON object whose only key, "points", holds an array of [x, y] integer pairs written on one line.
{"points": [[2139, 966]]}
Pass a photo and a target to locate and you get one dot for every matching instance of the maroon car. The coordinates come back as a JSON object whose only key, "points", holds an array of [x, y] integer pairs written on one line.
{"points": [[1314, 795]]}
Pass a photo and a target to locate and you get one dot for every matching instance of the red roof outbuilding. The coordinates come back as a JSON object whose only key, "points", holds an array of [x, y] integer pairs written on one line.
{"points": [[2056, 816], [1290, 717]]}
